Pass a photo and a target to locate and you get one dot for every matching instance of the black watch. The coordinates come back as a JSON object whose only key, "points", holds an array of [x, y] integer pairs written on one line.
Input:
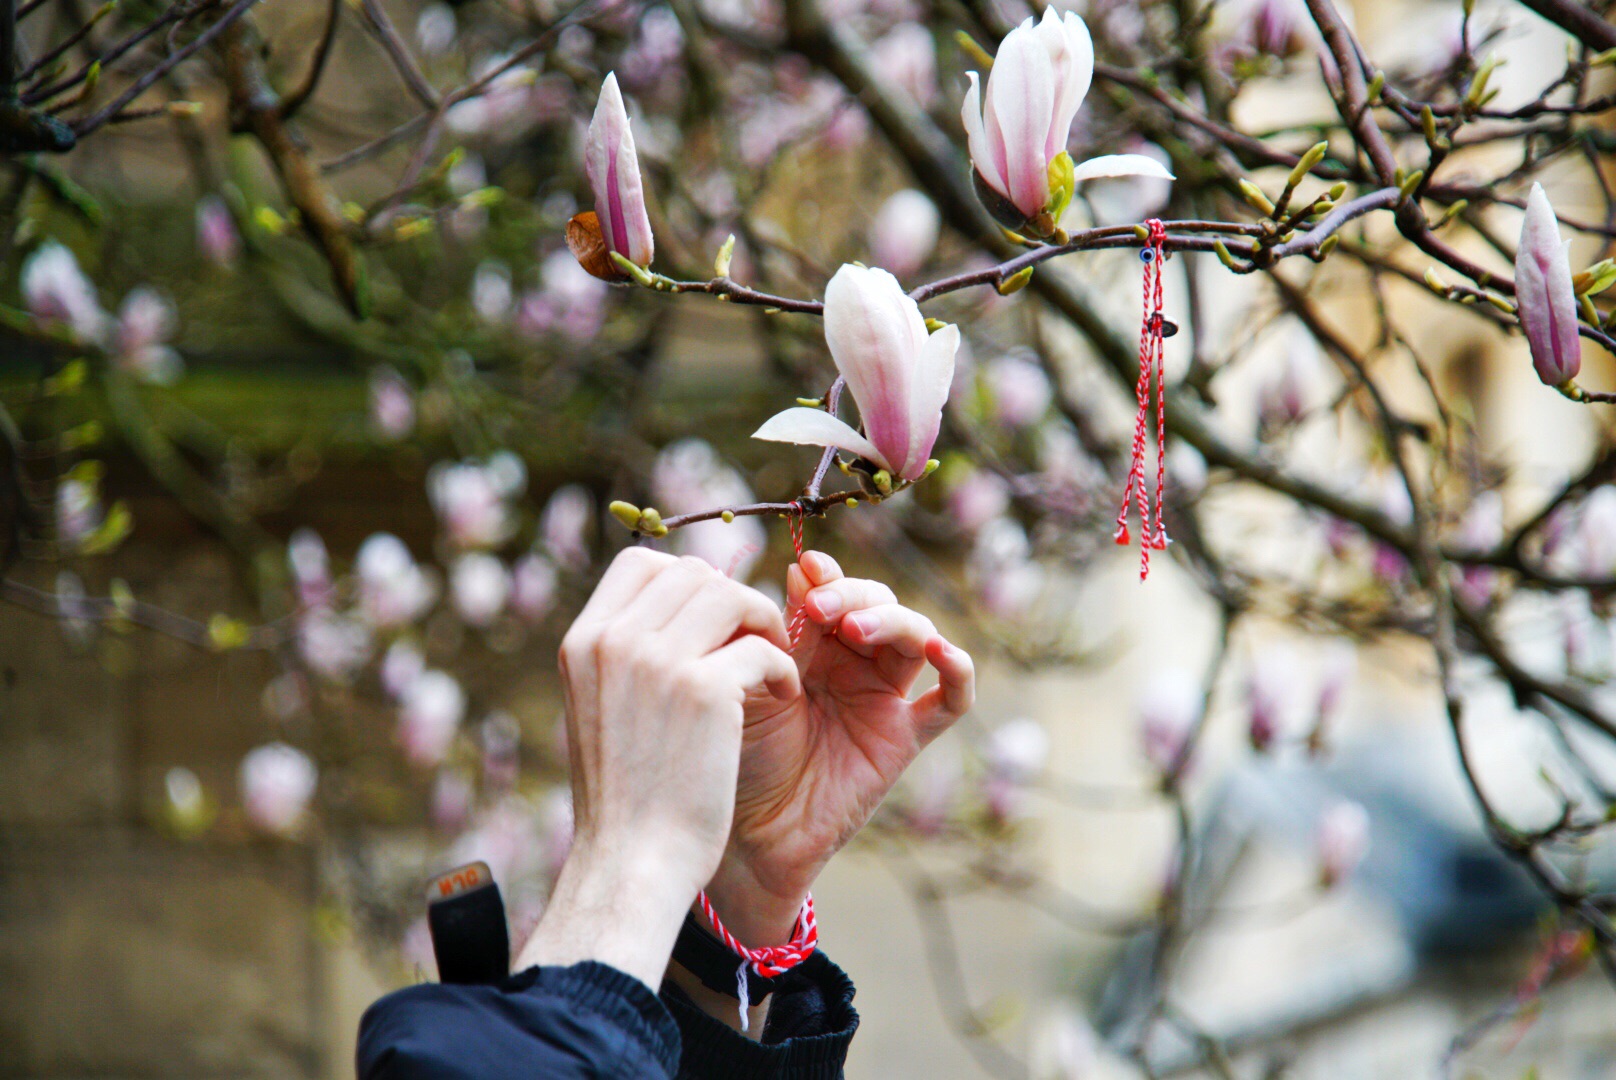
{"points": [[699, 952]]}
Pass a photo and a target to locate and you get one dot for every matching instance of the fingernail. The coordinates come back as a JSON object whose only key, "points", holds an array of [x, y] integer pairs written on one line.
{"points": [[829, 602], [864, 622]]}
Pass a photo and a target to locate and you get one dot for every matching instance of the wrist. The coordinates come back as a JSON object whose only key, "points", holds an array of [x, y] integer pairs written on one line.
{"points": [[623, 909], [758, 916]]}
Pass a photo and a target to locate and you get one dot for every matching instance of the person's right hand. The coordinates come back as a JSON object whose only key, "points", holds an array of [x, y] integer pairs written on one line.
{"points": [[656, 669]]}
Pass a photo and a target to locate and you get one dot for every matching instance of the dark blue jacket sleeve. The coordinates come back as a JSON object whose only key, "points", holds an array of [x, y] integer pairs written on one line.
{"points": [[587, 1020], [811, 1024]]}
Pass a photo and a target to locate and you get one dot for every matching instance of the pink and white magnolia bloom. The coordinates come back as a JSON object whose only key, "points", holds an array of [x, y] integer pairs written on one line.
{"points": [[1018, 126], [393, 589], [480, 586], [1342, 841], [1168, 708], [140, 339], [429, 717], [277, 782], [904, 232], [58, 294], [690, 475], [897, 373], [613, 167], [534, 587], [1545, 298]]}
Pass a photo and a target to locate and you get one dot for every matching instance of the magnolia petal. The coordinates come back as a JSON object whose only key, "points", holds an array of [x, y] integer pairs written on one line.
{"points": [[815, 427], [875, 332], [1546, 299], [1121, 165], [1071, 58], [613, 168], [1019, 104], [976, 139], [934, 375]]}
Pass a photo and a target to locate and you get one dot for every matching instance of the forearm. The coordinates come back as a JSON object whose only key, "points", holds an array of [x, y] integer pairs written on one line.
{"points": [[622, 911]]}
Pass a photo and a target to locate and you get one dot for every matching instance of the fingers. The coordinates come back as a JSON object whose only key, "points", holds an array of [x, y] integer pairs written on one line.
{"points": [[719, 610], [659, 601], [954, 693], [830, 602], [813, 569], [890, 624], [629, 573], [752, 661]]}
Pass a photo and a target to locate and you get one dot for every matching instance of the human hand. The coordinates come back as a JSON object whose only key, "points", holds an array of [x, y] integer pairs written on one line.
{"points": [[816, 765], [656, 670]]}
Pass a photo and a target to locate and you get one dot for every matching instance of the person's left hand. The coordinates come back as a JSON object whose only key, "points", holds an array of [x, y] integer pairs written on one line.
{"points": [[816, 766]]}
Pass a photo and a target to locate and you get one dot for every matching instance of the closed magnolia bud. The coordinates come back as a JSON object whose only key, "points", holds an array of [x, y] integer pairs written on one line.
{"points": [[1544, 295], [613, 167]]}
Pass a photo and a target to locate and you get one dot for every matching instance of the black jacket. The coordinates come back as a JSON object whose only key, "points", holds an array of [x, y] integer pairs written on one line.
{"points": [[591, 1020]]}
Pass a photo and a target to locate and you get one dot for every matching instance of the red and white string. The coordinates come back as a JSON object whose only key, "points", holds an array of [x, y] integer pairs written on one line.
{"points": [[772, 960], [1152, 533]]}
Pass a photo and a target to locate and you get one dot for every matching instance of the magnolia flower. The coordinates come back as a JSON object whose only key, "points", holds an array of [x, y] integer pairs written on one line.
{"points": [[565, 524], [904, 232], [401, 666], [613, 167], [1015, 754], [311, 567], [1546, 301], [392, 406], [1342, 841], [277, 782], [534, 584], [78, 510], [1020, 390], [907, 56], [571, 301], [430, 716], [491, 294], [216, 234], [393, 589], [471, 498], [689, 476], [1481, 529], [452, 800], [1270, 692], [334, 646], [140, 339], [58, 294], [1018, 127], [480, 586], [980, 497], [435, 29], [1593, 538], [898, 375], [1002, 571], [1168, 709]]}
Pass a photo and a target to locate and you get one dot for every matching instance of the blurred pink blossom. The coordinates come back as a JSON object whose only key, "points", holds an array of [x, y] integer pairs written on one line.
{"points": [[277, 782], [78, 510], [534, 587], [333, 646], [907, 57], [429, 716], [1481, 529], [306, 557], [452, 800], [435, 29], [1001, 569], [1019, 389], [1342, 842], [566, 524], [977, 498], [58, 294], [472, 498], [392, 405], [393, 589], [401, 666], [689, 476], [216, 235], [904, 232], [501, 738], [1169, 707], [570, 301], [140, 340], [480, 585]]}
